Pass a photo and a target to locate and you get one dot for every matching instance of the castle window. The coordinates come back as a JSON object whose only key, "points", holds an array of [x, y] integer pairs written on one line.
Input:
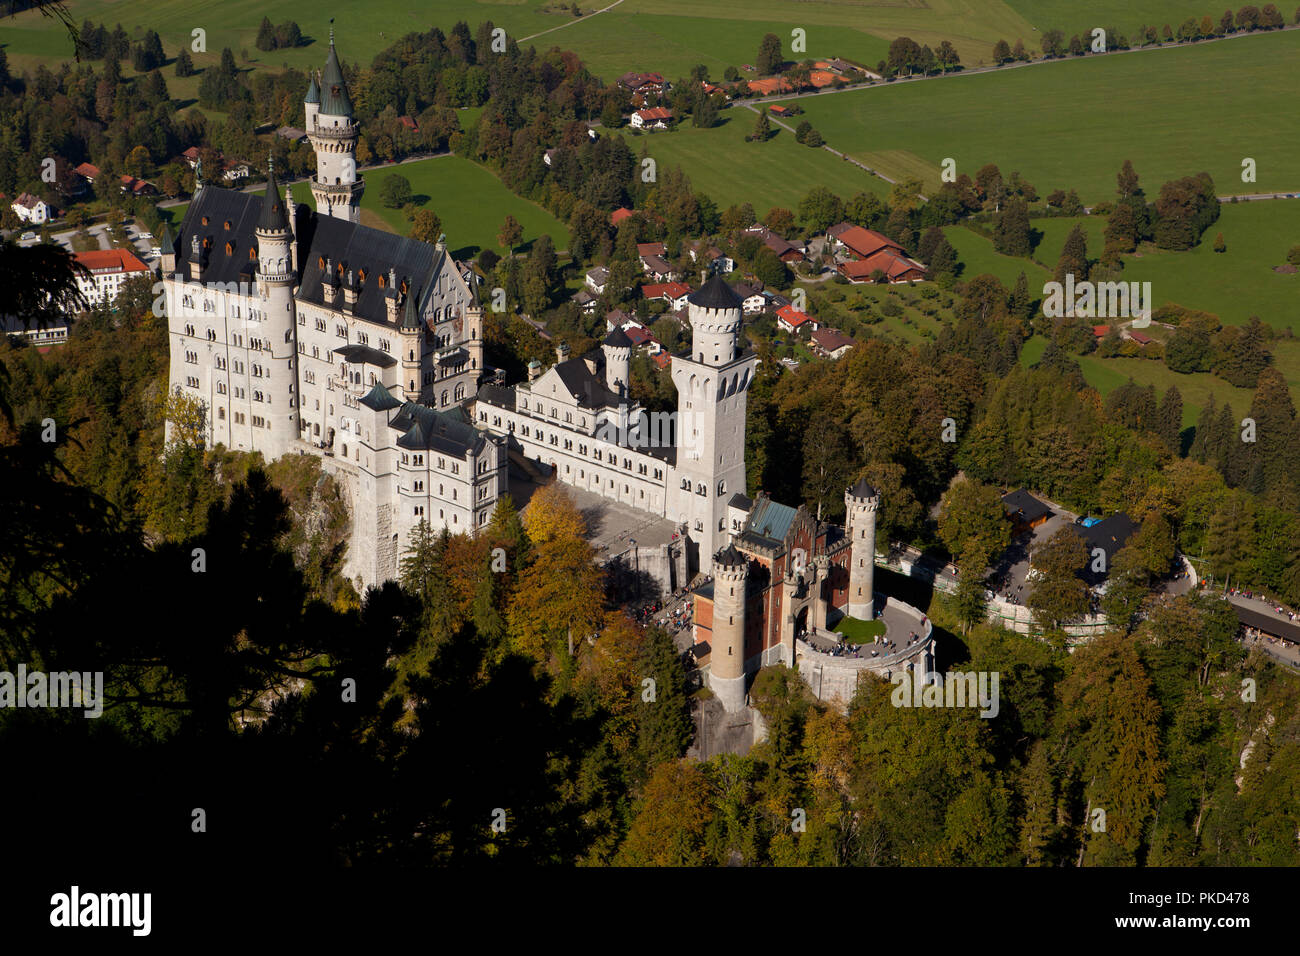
{"points": [[252, 253], [382, 281], [205, 220], [320, 263]]}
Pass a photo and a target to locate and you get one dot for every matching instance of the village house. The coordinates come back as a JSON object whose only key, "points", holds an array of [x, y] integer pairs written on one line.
{"points": [[711, 257], [786, 251], [657, 268], [32, 209], [108, 269], [586, 301], [865, 251], [596, 279], [138, 187], [790, 319], [831, 343], [619, 214], [655, 117], [674, 293], [751, 297], [87, 172]]}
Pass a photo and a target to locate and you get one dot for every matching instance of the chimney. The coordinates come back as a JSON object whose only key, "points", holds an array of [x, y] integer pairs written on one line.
{"points": [[534, 370], [561, 353], [350, 290]]}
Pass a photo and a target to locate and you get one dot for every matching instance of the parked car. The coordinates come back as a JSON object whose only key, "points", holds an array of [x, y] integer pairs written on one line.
{"points": [[28, 235], [144, 235]]}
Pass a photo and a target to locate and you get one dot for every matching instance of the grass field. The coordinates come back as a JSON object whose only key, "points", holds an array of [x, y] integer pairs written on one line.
{"points": [[670, 36], [1235, 284], [1073, 123], [776, 173], [471, 202]]}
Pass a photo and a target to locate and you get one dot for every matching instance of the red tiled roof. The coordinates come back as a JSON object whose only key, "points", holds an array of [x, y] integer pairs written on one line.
{"points": [[1140, 338], [650, 249], [660, 290], [793, 316], [618, 215], [87, 170], [638, 334], [893, 266], [661, 359], [831, 340], [105, 260], [655, 113], [865, 243], [1100, 330]]}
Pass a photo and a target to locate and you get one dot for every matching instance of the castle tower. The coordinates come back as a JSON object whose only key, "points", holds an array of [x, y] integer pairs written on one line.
{"points": [[337, 187], [168, 252], [312, 103], [727, 653], [275, 282], [411, 346], [618, 362], [712, 383], [474, 338], [860, 504]]}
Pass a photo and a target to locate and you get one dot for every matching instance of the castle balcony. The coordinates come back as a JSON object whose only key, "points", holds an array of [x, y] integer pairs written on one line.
{"points": [[347, 131], [336, 189]]}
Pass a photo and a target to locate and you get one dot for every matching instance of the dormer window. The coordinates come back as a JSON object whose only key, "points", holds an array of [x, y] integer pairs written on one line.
{"points": [[230, 248], [204, 220], [320, 263], [252, 253], [382, 281], [361, 274], [228, 225], [402, 287]]}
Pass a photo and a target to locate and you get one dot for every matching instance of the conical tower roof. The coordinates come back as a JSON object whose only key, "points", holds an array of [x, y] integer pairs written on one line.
{"points": [[168, 245], [273, 218], [411, 317], [334, 99], [618, 339], [715, 294], [313, 91]]}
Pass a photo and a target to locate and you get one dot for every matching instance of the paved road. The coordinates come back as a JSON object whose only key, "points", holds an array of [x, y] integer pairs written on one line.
{"points": [[583, 19]]}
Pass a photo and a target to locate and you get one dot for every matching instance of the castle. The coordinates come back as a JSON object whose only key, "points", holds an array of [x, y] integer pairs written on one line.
{"points": [[775, 588], [305, 332]]}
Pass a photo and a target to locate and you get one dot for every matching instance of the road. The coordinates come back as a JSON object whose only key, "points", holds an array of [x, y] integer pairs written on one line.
{"points": [[573, 21], [99, 233]]}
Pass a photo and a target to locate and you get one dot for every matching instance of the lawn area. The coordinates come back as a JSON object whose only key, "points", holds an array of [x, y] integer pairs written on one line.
{"points": [[1123, 15], [858, 632], [1106, 375], [777, 173], [1071, 124], [469, 199], [1234, 284]]}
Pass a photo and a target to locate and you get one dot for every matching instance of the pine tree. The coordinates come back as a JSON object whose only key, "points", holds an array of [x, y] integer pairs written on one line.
{"points": [[929, 241], [1246, 358], [1074, 257], [266, 35], [1170, 418], [1011, 236], [1021, 304], [184, 65], [1038, 823], [1204, 426], [762, 128], [944, 261]]}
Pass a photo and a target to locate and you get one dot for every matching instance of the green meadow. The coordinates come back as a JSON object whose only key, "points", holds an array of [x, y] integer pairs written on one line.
{"points": [[776, 173], [1071, 124]]}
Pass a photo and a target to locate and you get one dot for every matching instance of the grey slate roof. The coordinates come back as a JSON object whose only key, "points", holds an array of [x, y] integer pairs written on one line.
{"points": [[715, 294], [497, 395], [334, 99], [585, 386], [863, 489], [618, 339], [273, 218], [740, 501], [313, 91], [358, 354], [380, 399], [730, 557], [168, 248], [215, 265], [424, 428]]}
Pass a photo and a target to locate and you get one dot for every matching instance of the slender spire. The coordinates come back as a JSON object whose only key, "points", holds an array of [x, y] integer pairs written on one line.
{"points": [[334, 99], [273, 217]]}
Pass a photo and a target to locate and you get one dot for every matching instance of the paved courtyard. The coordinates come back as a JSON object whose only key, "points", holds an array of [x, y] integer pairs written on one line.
{"points": [[611, 526]]}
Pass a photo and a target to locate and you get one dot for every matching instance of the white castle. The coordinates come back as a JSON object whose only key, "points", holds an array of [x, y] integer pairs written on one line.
{"points": [[304, 332]]}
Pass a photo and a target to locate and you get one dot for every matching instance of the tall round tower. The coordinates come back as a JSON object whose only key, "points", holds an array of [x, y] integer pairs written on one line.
{"points": [[715, 317], [337, 187], [727, 654], [275, 282], [860, 504], [618, 362]]}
